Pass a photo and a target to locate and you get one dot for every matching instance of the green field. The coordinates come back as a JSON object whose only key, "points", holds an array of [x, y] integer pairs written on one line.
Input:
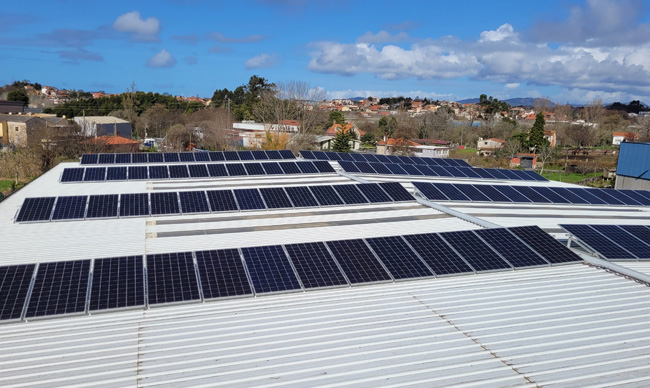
{"points": [[568, 177], [4, 185]]}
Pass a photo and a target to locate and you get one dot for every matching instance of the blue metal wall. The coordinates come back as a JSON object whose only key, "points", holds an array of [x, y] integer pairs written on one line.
{"points": [[634, 160]]}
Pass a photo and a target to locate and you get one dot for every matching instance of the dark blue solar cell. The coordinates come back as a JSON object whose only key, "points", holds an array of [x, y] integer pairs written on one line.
{"points": [[430, 191], [139, 158], [70, 208], [462, 163], [402, 262], [396, 169], [496, 173], [178, 171], [171, 278], [419, 160], [512, 194], [359, 158], [307, 154], [116, 174], [455, 172], [89, 159], [217, 170], [307, 167], [246, 155], [370, 158], [14, 284], [534, 176], [222, 274], [138, 172], [451, 192], [431, 161], [510, 174], [472, 192], [290, 168], [425, 170], [599, 242], [59, 288], [123, 158], [476, 252], [406, 160], [349, 166], [383, 159], [374, 193], [193, 202], [531, 194], [118, 282], [522, 175], [514, 251], [216, 156], [633, 194], [603, 195], [628, 241], [254, 169], [358, 262], [441, 171], [333, 156], [102, 206], [326, 196], [350, 194], [287, 154], [411, 169], [155, 157], [270, 269], [275, 198], [171, 157], [483, 173], [186, 157], [346, 156], [301, 196], [95, 174], [545, 245], [323, 166], [639, 231], [198, 170], [164, 203], [586, 194], [274, 155], [437, 254], [236, 169], [259, 155], [202, 156], [249, 199], [320, 155], [365, 168], [134, 205], [231, 155], [551, 195], [492, 193], [470, 172], [158, 172], [569, 195], [394, 159], [73, 174], [445, 163], [381, 168], [106, 158], [273, 168], [222, 200], [617, 195], [315, 266], [396, 191]]}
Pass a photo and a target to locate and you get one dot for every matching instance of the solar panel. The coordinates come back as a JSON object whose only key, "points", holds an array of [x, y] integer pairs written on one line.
{"points": [[171, 157], [36, 209], [445, 162], [89, 158], [350, 194], [290, 168], [396, 169], [198, 170], [116, 174], [307, 167], [405, 160], [222, 274], [73, 174], [476, 252], [497, 173], [441, 171], [521, 174], [586, 194], [473, 193], [323, 166], [217, 170], [270, 269], [430, 191], [602, 194], [431, 161], [370, 158], [514, 251], [118, 282], [320, 155], [246, 155], [301, 197], [622, 198], [470, 172], [106, 158], [357, 261], [365, 168], [455, 172], [451, 192], [374, 193], [545, 245], [551, 195], [512, 194], [70, 208], [492, 193], [483, 173], [411, 169], [381, 168], [249, 199], [222, 200], [216, 156], [272, 168], [382, 158], [639, 231], [597, 241], [178, 171], [202, 156], [307, 154], [260, 155], [139, 158], [333, 156], [275, 198], [287, 154], [534, 176], [133, 205], [95, 174], [164, 203], [568, 195], [138, 172], [158, 172], [276, 155], [437, 254], [399, 258], [633, 194], [359, 158], [231, 155], [123, 158], [193, 202], [628, 241], [462, 163], [102, 206], [14, 284], [315, 266], [186, 157], [425, 170], [254, 169], [418, 160], [171, 278], [326, 196], [155, 157], [510, 174], [235, 169], [59, 288], [396, 191]]}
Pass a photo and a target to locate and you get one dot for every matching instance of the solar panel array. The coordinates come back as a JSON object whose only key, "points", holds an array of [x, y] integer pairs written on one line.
{"points": [[176, 157], [375, 158], [211, 201], [438, 171], [73, 287], [436, 191], [192, 171], [613, 242]]}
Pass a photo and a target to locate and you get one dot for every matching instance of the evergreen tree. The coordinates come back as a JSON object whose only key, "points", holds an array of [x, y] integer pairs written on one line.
{"points": [[536, 137], [336, 117], [342, 141]]}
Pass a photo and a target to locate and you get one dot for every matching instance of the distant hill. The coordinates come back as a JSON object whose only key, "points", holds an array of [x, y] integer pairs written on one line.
{"points": [[517, 101]]}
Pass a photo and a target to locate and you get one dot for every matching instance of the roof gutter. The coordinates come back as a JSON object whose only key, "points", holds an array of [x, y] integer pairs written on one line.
{"points": [[608, 265]]}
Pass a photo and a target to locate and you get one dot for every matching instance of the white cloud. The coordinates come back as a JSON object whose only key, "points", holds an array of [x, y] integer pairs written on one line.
{"points": [[141, 29], [505, 31], [512, 85], [162, 59], [382, 37], [261, 61], [349, 93]]}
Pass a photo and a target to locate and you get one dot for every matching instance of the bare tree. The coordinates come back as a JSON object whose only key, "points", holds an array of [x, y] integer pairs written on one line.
{"points": [[510, 148], [593, 113], [545, 153]]}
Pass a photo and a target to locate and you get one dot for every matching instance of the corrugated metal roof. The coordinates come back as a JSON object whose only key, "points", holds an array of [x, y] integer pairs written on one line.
{"points": [[634, 160]]}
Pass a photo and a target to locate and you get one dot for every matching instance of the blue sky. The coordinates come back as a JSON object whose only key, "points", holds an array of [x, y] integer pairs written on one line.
{"points": [[569, 51]]}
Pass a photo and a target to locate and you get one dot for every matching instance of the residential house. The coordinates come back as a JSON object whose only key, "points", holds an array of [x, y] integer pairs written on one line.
{"points": [[551, 137], [396, 146], [104, 125], [11, 107], [21, 130], [429, 151], [620, 137], [527, 161], [489, 146], [113, 144], [326, 141]]}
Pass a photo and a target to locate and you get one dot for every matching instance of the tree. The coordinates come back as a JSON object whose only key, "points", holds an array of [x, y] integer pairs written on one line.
{"points": [[545, 153], [18, 95], [368, 138], [536, 138], [336, 117], [511, 148], [342, 141]]}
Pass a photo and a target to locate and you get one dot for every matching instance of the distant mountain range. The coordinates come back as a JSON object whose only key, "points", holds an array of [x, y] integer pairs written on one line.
{"points": [[517, 101]]}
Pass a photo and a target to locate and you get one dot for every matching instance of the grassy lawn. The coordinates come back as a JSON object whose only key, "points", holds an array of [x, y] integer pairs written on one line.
{"points": [[466, 151], [568, 177], [4, 185]]}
